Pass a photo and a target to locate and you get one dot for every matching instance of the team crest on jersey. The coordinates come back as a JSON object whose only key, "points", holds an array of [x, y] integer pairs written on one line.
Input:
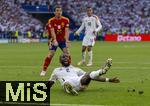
{"points": [[49, 25], [67, 25], [59, 26], [67, 70], [62, 24]]}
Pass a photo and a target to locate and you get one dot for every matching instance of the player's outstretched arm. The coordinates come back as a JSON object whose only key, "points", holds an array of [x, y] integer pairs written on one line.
{"points": [[49, 84], [102, 79], [80, 29], [52, 79], [98, 24]]}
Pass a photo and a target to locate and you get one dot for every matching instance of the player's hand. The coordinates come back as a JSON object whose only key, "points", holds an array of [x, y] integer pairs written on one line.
{"points": [[76, 34], [49, 43], [55, 42], [68, 44], [114, 80]]}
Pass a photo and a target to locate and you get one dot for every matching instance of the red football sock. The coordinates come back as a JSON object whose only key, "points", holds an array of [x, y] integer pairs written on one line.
{"points": [[46, 63]]}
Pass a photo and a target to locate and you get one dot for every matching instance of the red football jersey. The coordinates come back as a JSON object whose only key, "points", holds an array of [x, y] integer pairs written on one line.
{"points": [[47, 28], [59, 26]]}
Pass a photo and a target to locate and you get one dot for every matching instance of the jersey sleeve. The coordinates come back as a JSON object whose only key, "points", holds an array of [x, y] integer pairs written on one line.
{"points": [[50, 24], [47, 26], [67, 23], [81, 27], [98, 24], [53, 76], [79, 71]]}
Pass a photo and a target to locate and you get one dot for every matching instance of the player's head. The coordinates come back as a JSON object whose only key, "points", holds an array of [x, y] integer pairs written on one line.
{"points": [[89, 11], [65, 60], [58, 11]]}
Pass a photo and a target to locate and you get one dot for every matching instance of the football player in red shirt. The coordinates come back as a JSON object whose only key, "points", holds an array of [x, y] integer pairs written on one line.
{"points": [[59, 33]]}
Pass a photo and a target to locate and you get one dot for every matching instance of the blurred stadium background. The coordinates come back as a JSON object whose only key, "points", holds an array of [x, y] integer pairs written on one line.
{"points": [[122, 20], [27, 18]]}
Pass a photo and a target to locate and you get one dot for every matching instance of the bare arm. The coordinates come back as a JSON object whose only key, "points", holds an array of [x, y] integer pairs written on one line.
{"points": [[98, 24], [52, 31], [80, 29], [52, 80], [53, 35], [102, 79], [67, 34]]}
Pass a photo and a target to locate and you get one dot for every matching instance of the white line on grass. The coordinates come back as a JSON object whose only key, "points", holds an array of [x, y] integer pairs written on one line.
{"points": [[119, 62], [129, 67], [15, 103], [75, 105], [46, 104]]}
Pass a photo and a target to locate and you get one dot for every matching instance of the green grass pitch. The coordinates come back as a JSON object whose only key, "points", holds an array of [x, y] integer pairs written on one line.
{"points": [[131, 63]]}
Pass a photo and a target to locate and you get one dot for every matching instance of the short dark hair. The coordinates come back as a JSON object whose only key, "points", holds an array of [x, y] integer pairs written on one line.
{"points": [[89, 7], [58, 6]]}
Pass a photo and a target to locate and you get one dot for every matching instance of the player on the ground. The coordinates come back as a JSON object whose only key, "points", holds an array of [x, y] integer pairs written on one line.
{"points": [[59, 31], [92, 25], [73, 79]]}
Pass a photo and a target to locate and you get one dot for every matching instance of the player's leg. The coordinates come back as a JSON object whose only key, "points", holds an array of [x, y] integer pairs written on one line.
{"points": [[66, 51], [91, 42], [90, 55], [48, 59], [68, 88], [62, 45], [83, 55], [84, 48], [15, 40], [64, 48], [86, 79]]}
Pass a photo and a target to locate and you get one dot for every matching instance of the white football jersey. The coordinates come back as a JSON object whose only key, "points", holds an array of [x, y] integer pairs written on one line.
{"points": [[63, 74], [90, 24]]}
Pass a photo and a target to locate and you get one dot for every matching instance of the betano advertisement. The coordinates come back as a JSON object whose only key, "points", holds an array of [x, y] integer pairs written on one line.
{"points": [[127, 38]]}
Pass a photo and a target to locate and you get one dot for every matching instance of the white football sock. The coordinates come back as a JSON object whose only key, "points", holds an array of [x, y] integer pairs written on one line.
{"points": [[90, 53], [97, 73], [42, 73], [83, 56]]}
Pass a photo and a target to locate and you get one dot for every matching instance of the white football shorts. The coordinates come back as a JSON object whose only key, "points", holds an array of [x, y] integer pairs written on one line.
{"points": [[88, 41], [75, 82]]}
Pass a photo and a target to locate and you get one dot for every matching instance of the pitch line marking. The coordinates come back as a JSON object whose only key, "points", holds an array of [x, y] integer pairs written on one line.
{"points": [[46, 104], [129, 67], [76, 105]]}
